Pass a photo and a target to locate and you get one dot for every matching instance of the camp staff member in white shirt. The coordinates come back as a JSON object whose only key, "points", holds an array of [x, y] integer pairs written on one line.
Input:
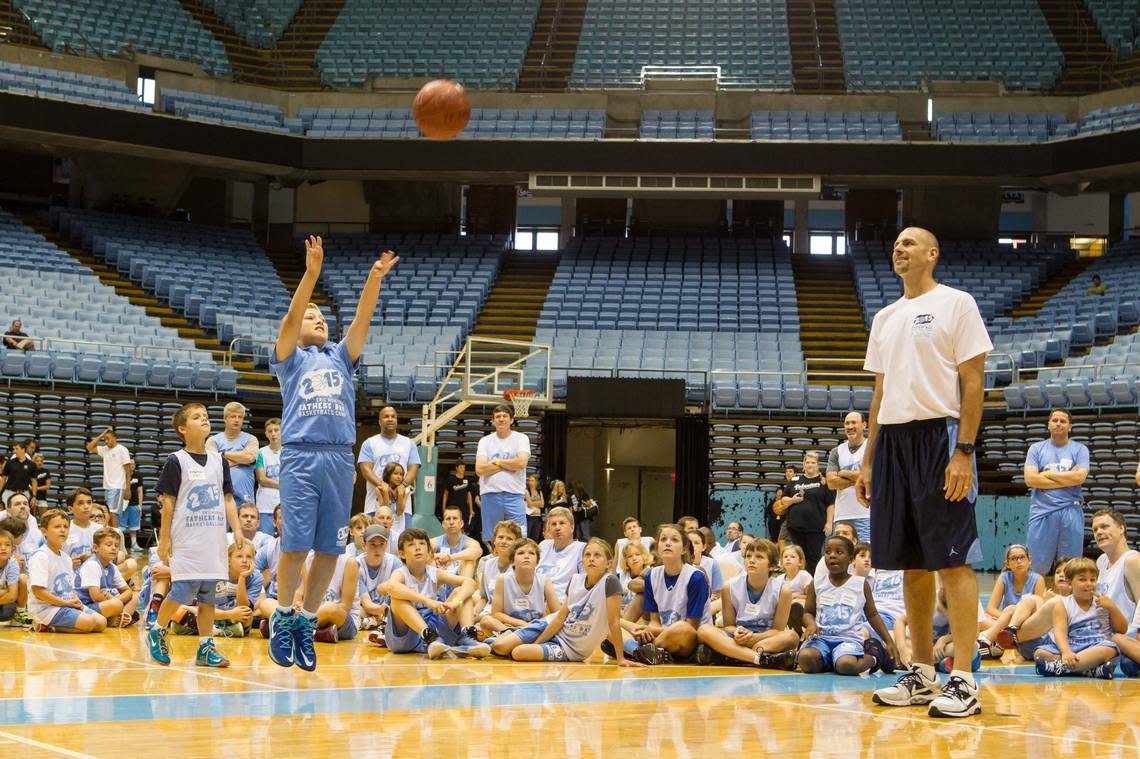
{"points": [[500, 462], [843, 465], [381, 450], [927, 351]]}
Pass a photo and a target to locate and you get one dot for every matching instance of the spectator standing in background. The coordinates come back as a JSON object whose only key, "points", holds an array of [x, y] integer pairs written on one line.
{"points": [[1055, 470], [41, 487], [383, 449], [240, 449], [117, 471], [18, 474], [843, 464]]}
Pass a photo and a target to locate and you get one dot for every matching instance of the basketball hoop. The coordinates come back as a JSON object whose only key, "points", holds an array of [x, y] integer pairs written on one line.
{"points": [[521, 400]]}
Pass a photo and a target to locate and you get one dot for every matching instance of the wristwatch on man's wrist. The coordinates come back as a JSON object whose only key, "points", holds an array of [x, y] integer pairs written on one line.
{"points": [[966, 448]]}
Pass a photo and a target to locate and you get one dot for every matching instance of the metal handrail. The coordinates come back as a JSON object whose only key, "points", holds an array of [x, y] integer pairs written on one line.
{"points": [[1080, 367], [136, 349]]}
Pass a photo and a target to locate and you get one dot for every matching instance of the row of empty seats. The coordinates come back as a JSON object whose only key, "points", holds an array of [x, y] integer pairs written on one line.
{"points": [[965, 126], [480, 44], [672, 125], [897, 44], [142, 371], [825, 125], [67, 85], [157, 27], [679, 284], [747, 40], [1119, 24], [229, 111], [529, 123]]}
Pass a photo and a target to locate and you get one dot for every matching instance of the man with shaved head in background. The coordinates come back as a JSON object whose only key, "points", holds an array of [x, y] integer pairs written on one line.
{"points": [[843, 465], [927, 351]]}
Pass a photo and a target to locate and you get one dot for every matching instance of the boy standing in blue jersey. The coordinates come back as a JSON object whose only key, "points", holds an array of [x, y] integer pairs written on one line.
{"points": [[318, 430]]}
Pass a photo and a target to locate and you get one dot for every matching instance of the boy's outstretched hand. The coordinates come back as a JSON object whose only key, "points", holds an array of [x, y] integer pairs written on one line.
{"points": [[314, 254], [387, 260]]}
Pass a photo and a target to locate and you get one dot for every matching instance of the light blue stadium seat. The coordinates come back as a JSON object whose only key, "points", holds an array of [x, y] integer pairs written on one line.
{"points": [[182, 376]]}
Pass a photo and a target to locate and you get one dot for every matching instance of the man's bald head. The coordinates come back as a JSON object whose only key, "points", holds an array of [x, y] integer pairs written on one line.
{"points": [[915, 252], [923, 236]]}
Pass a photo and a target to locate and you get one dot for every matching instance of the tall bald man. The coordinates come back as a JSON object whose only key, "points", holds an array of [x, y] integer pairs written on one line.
{"points": [[843, 465], [927, 351]]}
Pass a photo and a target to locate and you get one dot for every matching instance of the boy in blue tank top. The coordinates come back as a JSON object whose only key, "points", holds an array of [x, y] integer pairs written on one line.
{"points": [[318, 430]]}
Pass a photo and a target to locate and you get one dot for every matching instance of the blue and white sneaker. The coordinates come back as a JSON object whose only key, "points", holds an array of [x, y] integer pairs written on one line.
{"points": [[304, 652], [1051, 668], [281, 637], [471, 648], [1104, 671], [208, 656], [156, 642], [1128, 667]]}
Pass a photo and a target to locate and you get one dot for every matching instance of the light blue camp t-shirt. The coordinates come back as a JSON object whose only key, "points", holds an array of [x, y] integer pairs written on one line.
{"points": [[1051, 458], [317, 395]]}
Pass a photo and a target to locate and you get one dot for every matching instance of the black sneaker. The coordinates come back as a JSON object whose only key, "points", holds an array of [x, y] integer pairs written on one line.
{"points": [[429, 635], [785, 661], [471, 631], [652, 655], [608, 649], [707, 656], [877, 651]]}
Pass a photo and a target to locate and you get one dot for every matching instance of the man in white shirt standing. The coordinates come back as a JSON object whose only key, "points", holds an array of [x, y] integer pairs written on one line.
{"points": [[381, 450], [500, 462], [843, 465], [927, 351], [117, 470]]}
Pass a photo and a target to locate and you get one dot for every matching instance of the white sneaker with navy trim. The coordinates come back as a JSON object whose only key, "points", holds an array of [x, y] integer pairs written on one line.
{"points": [[913, 688], [959, 698]]}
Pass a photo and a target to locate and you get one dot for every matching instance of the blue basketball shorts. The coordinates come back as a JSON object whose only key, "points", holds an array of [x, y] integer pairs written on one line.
{"points": [[316, 497]]}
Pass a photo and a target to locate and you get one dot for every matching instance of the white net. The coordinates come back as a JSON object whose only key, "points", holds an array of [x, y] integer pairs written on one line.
{"points": [[521, 400]]}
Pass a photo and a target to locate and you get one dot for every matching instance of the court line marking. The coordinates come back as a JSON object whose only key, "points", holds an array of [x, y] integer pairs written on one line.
{"points": [[934, 721], [32, 742], [149, 665]]}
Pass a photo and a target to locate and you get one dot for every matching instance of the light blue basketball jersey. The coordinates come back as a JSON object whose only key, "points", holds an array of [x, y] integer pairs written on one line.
{"points": [[839, 610], [754, 614], [318, 395]]}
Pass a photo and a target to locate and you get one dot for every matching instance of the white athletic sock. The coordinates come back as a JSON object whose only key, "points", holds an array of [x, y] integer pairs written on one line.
{"points": [[967, 676], [204, 639], [927, 671], [307, 614]]}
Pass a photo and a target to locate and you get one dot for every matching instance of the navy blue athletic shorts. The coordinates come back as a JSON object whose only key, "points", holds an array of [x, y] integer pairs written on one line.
{"points": [[913, 526]]}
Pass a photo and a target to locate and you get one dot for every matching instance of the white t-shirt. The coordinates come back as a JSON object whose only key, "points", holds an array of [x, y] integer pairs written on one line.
{"points": [[847, 504], [380, 451], [619, 547], [80, 540], [114, 461], [53, 572], [493, 447], [917, 345], [268, 498]]}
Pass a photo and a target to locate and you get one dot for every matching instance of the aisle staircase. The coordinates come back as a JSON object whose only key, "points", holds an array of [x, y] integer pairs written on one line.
{"points": [[1087, 58], [14, 27], [553, 46], [832, 331], [817, 55], [513, 305], [291, 63], [1050, 287]]}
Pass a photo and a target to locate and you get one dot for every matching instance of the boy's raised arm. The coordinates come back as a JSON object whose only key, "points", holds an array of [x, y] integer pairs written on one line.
{"points": [[290, 330], [358, 330]]}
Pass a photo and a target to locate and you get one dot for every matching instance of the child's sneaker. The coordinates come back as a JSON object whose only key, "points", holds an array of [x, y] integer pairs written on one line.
{"points": [[878, 652], [707, 656], [471, 648], [652, 655], [376, 638], [326, 634], [227, 630], [958, 699], [1129, 668], [785, 661], [20, 619], [946, 664], [304, 654], [156, 642], [911, 689], [1104, 671], [263, 628], [208, 656], [279, 630], [42, 628], [152, 611], [1007, 637], [436, 649], [1052, 668], [429, 635]]}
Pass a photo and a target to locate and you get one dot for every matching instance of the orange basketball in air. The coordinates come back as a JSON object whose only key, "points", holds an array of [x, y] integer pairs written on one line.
{"points": [[441, 109]]}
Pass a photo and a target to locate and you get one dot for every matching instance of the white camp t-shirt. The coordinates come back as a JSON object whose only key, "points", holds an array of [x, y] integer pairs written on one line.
{"points": [[493, 447], [53, 572], [847, 504], [114, 463], [917, 345]]}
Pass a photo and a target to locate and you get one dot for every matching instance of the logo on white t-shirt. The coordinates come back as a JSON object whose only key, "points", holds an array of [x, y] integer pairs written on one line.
{"points": [[202, 497], [922, 327]]}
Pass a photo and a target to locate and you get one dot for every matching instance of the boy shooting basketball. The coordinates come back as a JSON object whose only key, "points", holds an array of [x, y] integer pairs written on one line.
{"points": [[318, 430]]}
